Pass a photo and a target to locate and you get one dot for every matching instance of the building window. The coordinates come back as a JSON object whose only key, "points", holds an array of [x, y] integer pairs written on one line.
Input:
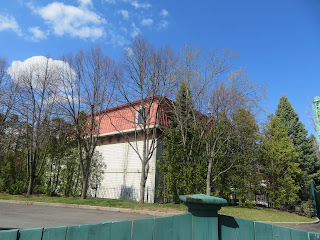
{"points": [[139, 116]]}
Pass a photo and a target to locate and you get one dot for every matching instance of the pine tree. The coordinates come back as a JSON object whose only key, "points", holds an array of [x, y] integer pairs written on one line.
{"points": [[183, 166], [309, 163], [278, 164]]}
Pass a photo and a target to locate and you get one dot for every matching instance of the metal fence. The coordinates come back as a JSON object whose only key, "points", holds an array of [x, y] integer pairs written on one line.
{"points": [[182, 227], [201, 223]]}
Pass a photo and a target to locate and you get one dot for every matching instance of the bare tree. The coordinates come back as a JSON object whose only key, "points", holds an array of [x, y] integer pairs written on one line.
{"points": [[146, 78], [218, 92], [86, 92], [200, 71], [8, 91], [227, 98], [36, 80]]}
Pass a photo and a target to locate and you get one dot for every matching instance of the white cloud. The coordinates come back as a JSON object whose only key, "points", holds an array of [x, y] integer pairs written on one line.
{"points": [[135, 30], [147, 22], [133, 3], [140, 5], [85, 3], [75, 21], [118, 39], [9, 23], [164, 13], [36, 69], [37, 34], [124, 13], [163, 24]]}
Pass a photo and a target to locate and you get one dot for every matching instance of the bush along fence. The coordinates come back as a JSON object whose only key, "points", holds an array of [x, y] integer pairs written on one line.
{"points": [[201, 223]]}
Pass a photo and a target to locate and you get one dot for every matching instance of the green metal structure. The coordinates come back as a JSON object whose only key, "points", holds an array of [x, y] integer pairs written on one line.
{"points": [[316, 112], [201, 223], [315, 195]]}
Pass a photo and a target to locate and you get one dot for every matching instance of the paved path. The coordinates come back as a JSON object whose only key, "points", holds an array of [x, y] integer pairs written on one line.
{"points": [[310, 227], [31, 216]]}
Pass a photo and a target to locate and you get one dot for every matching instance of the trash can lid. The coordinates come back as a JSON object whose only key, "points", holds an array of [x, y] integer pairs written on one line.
{"points": [[203, 199]]}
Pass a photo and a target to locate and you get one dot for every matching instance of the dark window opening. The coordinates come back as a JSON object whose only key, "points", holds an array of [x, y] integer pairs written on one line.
{"points": [[139, 117]]}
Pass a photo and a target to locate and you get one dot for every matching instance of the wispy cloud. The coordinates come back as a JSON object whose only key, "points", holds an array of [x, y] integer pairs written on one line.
{"points": [[141, 13], [75, 21], [140, 5], [164, 13], [163, 24], [147, 22], [124, 13], [80, 19], [118, 39], [37, 34], [85, 3], [9, 23], [134, 3], [135, 30]]}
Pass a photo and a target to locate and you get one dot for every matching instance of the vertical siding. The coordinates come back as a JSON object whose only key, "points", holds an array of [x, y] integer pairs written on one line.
{"points": [[134, 162], [122, 176], [113, 155]]}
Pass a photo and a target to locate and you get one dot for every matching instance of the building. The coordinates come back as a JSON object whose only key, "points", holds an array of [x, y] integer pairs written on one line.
{"points": [[120, 143]]}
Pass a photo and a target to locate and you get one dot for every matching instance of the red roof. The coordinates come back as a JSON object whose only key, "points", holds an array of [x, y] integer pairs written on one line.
{"points": [[124, 117]]}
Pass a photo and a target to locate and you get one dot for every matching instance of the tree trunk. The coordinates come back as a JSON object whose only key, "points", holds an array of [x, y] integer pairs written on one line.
{"points": [[30, 185], [208, 187], [142, 183], [84, 187]]}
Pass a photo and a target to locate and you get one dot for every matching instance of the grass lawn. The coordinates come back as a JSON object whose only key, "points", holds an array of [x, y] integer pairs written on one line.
{"points": [[255, 214]]}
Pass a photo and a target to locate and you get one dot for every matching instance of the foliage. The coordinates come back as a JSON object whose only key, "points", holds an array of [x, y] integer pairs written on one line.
{"points": [[226, 99], [63, 174], [218, 150], [12, 174], [12, 156], [182, 167], [60, 176], [307, 208], [242, 180], [279, 167], [212, 141], [308, 160]]}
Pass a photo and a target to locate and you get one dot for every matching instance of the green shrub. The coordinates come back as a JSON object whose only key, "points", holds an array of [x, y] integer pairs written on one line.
{"points": [[247, 204], [307, 208], [18, 187]]}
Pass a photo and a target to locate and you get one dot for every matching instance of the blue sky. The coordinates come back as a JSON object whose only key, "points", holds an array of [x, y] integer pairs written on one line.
{"points": [[278, 40]]}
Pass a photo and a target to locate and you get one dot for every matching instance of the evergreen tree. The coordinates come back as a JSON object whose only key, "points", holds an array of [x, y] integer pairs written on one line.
{"points": [[242, 178], [12, 156], [309, 163], [278, 164], [183, 165]]}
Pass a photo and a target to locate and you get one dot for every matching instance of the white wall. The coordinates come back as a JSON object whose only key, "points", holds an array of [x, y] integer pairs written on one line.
{"points": [[122, 175]]}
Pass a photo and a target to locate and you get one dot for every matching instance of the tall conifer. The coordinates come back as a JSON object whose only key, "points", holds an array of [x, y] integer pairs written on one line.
{"points": [[183, 166], [309, 163], [279, 168]]}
